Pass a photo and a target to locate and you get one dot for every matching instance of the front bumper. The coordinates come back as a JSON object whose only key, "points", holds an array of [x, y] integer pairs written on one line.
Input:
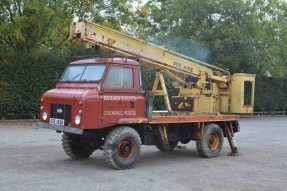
{"points": [[65, 129]]}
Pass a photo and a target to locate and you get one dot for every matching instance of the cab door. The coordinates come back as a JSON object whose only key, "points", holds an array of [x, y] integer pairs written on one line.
{"points": [[122, 94]]}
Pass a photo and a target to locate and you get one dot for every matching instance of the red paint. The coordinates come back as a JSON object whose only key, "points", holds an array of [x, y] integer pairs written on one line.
{"points": [[100, 109], [192, 119], [132, 120], [126, 148]]}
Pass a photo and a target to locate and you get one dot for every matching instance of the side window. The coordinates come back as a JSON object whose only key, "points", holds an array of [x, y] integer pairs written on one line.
{"points": [[247, 93], [120, 76]]}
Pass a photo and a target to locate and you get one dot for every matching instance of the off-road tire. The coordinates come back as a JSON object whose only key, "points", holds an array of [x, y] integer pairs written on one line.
{"points": [[75, 148], [172, 146], [212, 141], [122, 147]]}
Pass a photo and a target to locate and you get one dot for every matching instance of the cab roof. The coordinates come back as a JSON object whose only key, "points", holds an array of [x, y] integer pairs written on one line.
{"points": [[115, 60]]}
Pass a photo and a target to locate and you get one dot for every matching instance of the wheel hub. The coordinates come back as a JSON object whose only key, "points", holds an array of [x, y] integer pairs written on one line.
{"points": [[213, 141], [125, 148]]}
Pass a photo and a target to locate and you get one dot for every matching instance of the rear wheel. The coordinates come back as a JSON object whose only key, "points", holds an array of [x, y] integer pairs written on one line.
{"points": [[75, 147], [122, 147], [211, 143], [172, 146]]}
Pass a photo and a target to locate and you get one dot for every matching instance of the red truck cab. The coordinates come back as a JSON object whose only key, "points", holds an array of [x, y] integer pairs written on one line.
{"points": [[95, 93]]}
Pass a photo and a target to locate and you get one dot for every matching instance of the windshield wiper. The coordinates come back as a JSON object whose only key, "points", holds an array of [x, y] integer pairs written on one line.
{"points": [[74, 77]]}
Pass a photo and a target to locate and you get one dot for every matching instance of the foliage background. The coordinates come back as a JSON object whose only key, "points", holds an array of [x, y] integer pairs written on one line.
{"points": [[241, 35]]}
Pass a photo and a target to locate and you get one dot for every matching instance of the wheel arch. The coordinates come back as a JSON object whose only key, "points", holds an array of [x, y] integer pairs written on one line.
{"points": [[139, 128], [224, 124]]}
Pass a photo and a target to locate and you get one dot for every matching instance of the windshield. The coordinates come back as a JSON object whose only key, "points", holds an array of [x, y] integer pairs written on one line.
{"points": [[83, 73]]}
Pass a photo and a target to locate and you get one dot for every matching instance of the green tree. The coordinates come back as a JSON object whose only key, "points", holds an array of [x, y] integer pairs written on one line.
{"points": [[243, 36], [34, 46], [33, 24], [30, 25], [121, 15]]}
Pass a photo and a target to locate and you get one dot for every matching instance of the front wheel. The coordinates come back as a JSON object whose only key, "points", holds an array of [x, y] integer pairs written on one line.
{"points": [[212, 141], [75, 147], [122, 147]]}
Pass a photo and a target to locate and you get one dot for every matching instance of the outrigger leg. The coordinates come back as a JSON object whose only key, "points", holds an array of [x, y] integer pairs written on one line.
{"points": [[231, 140], [161, 131]]}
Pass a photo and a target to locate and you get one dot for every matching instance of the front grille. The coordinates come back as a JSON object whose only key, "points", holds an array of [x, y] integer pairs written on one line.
{"points": [[65, 112]]}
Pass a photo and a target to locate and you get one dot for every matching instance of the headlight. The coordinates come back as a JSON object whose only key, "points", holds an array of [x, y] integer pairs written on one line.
{"points": [[77, 119], [45, 115]]}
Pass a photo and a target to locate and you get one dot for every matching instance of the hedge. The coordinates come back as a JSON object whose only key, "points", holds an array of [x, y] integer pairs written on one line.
{"points": [[24, 78]]}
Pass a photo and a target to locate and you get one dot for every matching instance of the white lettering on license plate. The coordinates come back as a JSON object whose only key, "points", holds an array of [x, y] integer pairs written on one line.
{"points": [[55, 121]]}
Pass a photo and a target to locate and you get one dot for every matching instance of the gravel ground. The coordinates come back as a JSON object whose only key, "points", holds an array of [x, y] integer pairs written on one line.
{"points": [[32, 159]]}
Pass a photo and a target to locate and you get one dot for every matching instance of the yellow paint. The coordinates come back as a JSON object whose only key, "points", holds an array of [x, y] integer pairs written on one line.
{"points": [[163, 92], [237, 93], [198, 133], [165, 134]]}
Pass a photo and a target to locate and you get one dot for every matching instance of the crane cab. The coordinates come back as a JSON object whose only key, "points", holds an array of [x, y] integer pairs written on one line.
{"points": [[239, 98], [242, 93]]}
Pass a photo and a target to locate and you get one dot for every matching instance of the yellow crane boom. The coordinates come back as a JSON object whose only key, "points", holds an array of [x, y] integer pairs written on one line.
{"points": [[211, 93], [95, 34]]}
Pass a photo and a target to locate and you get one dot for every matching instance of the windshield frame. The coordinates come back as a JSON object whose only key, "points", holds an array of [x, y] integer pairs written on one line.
{"points": [[86, 65]]}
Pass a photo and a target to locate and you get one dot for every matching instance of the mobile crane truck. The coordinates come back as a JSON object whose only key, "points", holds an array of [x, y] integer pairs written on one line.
{"points": [[99, 103]]}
